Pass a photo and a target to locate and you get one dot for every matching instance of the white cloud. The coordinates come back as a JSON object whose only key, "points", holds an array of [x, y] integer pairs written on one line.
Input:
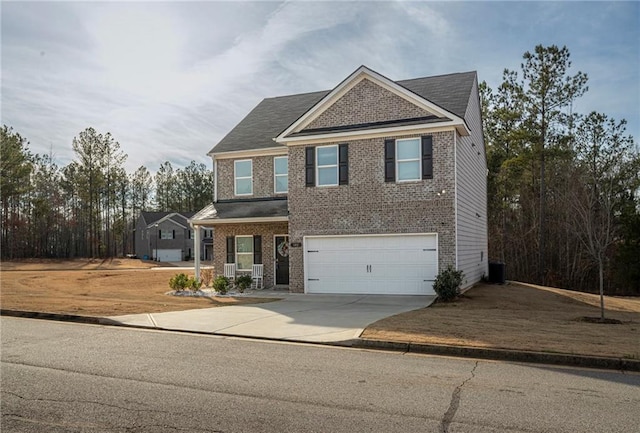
{"points": [[169, 80]]}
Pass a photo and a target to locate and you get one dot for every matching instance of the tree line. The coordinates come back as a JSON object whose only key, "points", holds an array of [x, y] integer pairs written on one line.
{"points": [[563, 187], [89, 207]]}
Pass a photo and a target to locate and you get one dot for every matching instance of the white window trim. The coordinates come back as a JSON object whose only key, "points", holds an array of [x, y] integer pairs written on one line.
{"points": [[275, 175], [318, 166], [236, 178], [237, 253], [419, 159], [167, 233]]}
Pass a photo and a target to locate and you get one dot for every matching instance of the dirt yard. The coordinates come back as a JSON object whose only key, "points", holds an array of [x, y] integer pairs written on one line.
{"points": [[524, 317], [96, 288]]}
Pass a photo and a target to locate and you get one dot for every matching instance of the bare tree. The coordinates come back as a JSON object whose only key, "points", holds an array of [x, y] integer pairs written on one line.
{"points": [[606, 170]]}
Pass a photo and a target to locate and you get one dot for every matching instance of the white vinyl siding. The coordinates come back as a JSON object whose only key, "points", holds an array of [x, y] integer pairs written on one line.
{"points": [[243, 177], [408, 160], [471, 201], [244, 252], [280, 174], [327, 166]]}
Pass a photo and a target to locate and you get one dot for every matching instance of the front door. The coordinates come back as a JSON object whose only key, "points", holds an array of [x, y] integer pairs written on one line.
{"points": [[282, 259]]}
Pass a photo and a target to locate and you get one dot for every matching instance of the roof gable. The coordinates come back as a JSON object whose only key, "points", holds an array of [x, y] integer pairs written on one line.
{"points": [[381, 105], [352, 81], [151, 218], [443, 94]]}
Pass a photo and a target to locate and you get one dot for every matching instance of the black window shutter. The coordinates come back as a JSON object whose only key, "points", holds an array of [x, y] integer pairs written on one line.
{"points": [[159, 234], [173, 234], [310, 166], [390, 160], [343, 164], [231, 249], [427, 157], [257, 250]]}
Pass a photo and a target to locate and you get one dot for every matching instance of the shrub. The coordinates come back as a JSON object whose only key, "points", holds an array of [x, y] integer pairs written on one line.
{"points": [[206, 275], [195, 284], [243, 282], [179, 282], [221, 284], [447, 284]]}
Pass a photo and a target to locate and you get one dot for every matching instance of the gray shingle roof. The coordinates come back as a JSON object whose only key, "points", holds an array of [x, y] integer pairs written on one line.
{"points": [[151, 217], [252, 209], [262, 208], [273, 115]]}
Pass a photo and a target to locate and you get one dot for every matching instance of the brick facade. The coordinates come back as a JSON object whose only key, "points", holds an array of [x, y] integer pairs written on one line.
{"points": [[266, 230], [367, 102], [369, 205], [262, 178]]}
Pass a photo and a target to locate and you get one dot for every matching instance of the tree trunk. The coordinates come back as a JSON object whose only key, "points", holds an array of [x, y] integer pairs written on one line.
{"points": [[600, 266]]}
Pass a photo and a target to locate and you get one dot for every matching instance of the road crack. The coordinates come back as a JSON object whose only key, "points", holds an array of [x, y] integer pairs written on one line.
{"points": [[68, 401], [455, 402]]}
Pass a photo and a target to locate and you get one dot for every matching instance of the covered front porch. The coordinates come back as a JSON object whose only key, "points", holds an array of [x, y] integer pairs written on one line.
{"points": [[247, 233]]}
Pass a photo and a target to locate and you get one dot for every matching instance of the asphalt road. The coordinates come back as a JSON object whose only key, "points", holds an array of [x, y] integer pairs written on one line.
{"points": [[64, 377]]}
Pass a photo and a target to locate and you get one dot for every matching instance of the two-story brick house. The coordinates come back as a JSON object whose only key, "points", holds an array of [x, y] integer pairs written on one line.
{"points": [[372, 187]]}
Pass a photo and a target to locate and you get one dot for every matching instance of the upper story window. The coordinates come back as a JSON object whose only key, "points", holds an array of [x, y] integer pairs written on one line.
{"points": [[243, 176], [408, 159], [327, 165], [280, 174], [167, 234]]}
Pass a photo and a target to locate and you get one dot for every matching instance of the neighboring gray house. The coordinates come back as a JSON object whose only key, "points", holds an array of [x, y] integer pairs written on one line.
{"points": [[372, 187], [168, 237]]}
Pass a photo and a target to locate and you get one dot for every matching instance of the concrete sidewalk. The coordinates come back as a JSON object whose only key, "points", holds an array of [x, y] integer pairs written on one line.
{"points": [[297, 317]]}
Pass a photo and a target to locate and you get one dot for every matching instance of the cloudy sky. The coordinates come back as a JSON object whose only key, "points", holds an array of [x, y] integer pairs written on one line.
{"points": [[170, 79]]}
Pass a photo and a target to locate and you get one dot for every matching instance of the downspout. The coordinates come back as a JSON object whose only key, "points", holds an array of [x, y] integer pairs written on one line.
{"points": [[215, 178], [196, 249], [455, 189]]}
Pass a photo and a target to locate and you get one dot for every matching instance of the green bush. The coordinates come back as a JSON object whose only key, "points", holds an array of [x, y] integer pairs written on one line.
{"points": [[179, 282], [195, 284], [221, 284], [243, 282], [447, 284], [182, 282]]}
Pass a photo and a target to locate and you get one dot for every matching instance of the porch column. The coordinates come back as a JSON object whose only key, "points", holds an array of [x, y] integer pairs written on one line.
{"points": [[196, 249]]}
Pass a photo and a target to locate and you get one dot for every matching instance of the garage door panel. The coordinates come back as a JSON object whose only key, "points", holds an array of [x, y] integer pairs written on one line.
{"points": [[393, 264], [169, 255]]}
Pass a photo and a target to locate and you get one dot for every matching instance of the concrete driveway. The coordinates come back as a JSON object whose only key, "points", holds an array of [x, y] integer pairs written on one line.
{"points": [[297, 317]]}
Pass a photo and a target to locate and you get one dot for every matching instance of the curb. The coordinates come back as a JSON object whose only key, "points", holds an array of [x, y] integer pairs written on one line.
{"points": [[608, 363], [602, 362]]}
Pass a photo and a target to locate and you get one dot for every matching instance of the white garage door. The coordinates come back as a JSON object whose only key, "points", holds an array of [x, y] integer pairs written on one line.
{"points": [[169, 255], [371, 264]]}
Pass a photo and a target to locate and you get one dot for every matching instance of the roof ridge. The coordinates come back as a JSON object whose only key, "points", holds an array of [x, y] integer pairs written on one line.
{"points": [[439, 75]]}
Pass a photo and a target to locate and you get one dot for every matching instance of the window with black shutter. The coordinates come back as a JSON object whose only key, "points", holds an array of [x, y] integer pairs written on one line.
{"points": [[310, 166], [427, 157], [390, 160], [411, 165], [343, 164], [231, 249], [257, 250]]}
